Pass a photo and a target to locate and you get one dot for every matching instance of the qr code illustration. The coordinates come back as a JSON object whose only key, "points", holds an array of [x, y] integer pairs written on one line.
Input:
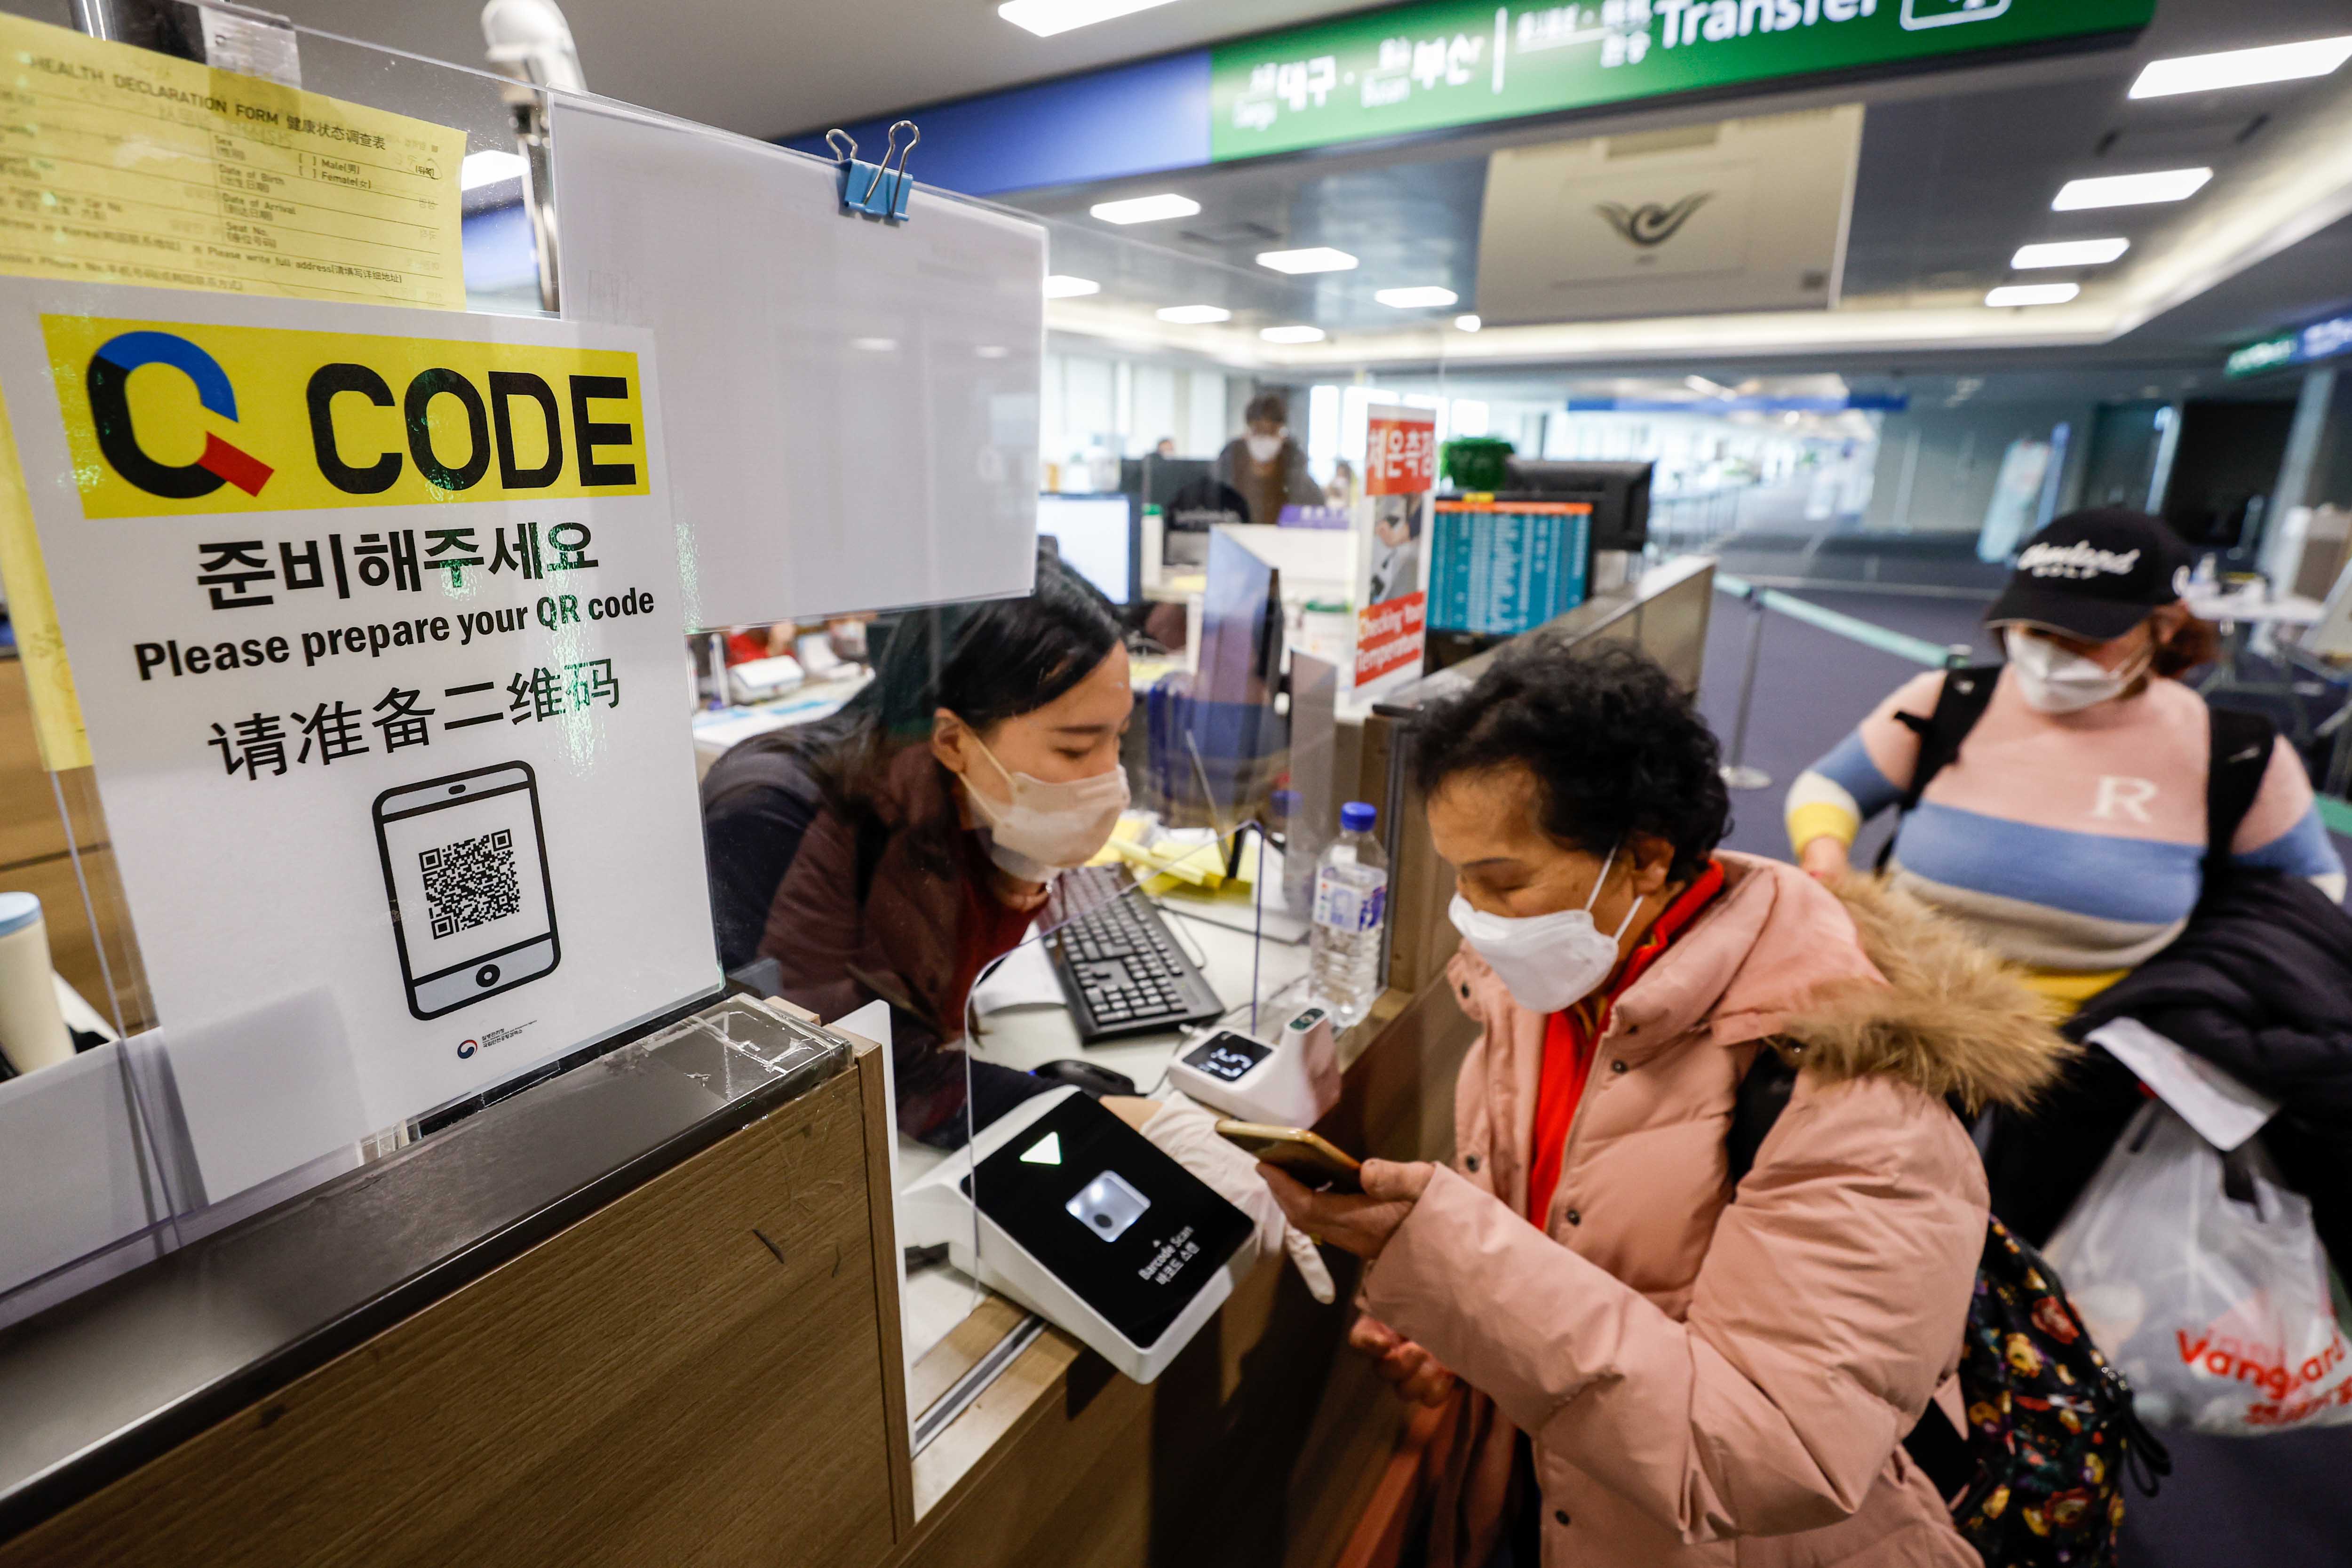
{"points": [[471, 882]]}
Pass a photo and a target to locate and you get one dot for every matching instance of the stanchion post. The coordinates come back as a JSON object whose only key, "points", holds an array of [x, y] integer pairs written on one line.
{"points": [[1737, 773]]}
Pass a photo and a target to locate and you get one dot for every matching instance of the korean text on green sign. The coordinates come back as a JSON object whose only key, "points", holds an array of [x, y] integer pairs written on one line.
{"points": [[1456, 62]]}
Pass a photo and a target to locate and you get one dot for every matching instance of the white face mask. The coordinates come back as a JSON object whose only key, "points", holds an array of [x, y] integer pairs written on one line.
{"points": [[2053, 681], [1548, 961], [1047, 827], [1265, 449]]}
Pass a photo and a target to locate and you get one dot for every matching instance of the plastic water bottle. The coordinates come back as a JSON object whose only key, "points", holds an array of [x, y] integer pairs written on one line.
{"points": [[1351, 900]]}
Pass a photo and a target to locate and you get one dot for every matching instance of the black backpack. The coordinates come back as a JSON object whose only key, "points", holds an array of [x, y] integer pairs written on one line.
{"points": [[2242, 744], [2036, 1479]]}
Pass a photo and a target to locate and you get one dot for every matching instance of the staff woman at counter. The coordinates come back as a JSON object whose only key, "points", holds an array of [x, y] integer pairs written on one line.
{"points": [[896, 852], [1690, 1362]]}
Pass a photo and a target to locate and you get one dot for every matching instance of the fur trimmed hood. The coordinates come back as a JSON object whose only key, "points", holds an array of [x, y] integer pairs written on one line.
{"points": [[1952, 1018]]}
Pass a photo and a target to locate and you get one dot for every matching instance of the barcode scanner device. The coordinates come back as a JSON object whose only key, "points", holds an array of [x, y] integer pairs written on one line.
{"points": [[1085, 1222], [1290, 1080]]}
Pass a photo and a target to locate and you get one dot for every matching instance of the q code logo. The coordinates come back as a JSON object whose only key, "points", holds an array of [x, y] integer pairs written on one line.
{"points": [[109, 382], [465, 1048], [191, 418]]}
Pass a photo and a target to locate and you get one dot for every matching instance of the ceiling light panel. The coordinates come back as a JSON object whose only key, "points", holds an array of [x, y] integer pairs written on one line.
{"points": [[2032, 294], [1416, 299], [1061, 287], [1314, 258], [1301, 335], [1146, 209], [1195, 315], [1048, 17], [2130, 190], [2243, 67], [2068, 253]]}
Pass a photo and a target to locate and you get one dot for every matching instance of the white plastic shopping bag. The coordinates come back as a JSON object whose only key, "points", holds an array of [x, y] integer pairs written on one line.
{"points": [[2216, 1308]]}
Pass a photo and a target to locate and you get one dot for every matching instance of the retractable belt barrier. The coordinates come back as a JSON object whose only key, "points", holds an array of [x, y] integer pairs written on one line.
{"points": [[1918, 650]]}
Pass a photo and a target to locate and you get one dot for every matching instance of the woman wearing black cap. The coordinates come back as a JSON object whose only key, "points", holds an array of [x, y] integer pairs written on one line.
{"points": [[2063, 812]]}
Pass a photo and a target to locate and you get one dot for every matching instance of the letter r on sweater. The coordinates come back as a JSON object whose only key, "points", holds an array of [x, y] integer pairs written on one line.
{"points": [[2123, 799]]}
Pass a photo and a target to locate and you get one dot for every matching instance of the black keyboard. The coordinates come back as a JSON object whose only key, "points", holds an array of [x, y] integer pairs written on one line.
{"points": [[1118, 963]]}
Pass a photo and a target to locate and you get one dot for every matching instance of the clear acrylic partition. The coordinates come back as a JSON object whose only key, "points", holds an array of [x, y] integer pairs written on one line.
{"points": [[103, 1137]]}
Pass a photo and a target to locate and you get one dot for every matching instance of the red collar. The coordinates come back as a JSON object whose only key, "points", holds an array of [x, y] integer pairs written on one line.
{"points": [[1670, 924]]}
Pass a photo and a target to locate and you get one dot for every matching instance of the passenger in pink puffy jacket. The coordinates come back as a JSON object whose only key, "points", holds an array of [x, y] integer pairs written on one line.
{"points": [[1661, 1368]]}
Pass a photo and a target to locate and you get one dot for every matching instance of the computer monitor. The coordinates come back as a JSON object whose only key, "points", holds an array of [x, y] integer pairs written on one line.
{"points": [[1095, 535], [1216, 746], [1241, 627], [1159, 478], [1618, 494]]}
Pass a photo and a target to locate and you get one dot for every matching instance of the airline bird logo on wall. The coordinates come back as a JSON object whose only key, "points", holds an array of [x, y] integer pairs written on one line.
{"points": [[1650, 225]]}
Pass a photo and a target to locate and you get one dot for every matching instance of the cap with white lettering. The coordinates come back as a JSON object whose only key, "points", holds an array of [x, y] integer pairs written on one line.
{"points": [[2094, 574]]}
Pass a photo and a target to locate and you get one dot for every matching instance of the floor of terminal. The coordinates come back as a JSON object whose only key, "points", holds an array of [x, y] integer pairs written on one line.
{"points": [[2278, 1501]]}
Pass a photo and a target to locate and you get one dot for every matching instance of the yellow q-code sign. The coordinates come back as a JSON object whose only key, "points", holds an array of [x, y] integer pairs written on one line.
{"points": [[177, 418]]}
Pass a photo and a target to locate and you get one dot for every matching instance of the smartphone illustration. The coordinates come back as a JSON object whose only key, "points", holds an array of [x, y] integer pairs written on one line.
{"points": [[465, 865]]}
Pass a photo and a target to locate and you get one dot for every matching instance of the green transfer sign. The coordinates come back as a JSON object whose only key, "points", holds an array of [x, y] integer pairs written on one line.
{"points": [[1456, 62]]}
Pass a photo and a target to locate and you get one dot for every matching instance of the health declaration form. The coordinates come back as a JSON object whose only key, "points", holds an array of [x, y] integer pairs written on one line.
{"points": [[122, 165]]}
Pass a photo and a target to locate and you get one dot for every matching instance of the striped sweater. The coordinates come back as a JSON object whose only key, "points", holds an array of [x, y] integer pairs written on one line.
{"points": [[2071, 843]]}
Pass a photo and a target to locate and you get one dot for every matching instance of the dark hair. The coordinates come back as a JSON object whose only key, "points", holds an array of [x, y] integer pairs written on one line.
{"points": [[1615, 745], [1012, 656], [2197, 642], [985, 663], [1266, 406]]}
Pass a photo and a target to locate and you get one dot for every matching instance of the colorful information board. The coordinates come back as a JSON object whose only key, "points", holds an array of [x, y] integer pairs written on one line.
{"points": [[1456, 62], [1506, 567], [1391, 570]]}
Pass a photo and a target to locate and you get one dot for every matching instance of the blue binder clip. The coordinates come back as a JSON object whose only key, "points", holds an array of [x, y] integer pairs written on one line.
{"points": [[886, 198], [858, 177]]}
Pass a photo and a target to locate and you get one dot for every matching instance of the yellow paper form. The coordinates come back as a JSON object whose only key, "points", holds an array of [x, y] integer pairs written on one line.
{"points": [[122, 165], [48, 679]]}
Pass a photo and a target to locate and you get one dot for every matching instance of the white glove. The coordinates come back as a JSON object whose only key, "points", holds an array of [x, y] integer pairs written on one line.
{"points": [[1188, 1134]]}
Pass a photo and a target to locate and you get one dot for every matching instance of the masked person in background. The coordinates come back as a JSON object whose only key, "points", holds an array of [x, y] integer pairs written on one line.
{"points": [[1266, 465], [2067, 829], [1664, 1356]]}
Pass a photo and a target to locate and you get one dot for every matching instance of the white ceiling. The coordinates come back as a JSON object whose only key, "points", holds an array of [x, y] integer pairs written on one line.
{"points": [[1957, 165], [768, 68], [1957, 170]]}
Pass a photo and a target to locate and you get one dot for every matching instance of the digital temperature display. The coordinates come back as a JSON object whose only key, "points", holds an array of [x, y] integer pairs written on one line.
{"points": [[1227, 1056]]}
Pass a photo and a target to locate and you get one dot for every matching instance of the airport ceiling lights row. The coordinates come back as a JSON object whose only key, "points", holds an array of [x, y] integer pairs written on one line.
{"points": [[1168, 205], [2161, 78]]}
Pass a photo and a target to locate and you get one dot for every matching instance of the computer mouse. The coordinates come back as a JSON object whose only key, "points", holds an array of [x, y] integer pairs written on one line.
{"points": [[1096, 1080]]}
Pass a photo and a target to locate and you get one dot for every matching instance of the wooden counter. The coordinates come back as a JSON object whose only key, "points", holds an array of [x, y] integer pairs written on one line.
{"points": [[706, 1369]]}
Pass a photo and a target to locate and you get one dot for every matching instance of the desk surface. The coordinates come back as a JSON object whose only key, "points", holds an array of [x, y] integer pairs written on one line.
{"points": [[717, 729], [2285, 609]]}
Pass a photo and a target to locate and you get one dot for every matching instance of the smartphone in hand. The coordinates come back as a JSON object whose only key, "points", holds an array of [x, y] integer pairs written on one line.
{"points": [[1314, 1161]]}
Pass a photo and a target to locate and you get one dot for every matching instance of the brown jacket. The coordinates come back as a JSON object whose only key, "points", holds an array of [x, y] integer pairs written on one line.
{"points": [[1706, 1380], [851, 926]]}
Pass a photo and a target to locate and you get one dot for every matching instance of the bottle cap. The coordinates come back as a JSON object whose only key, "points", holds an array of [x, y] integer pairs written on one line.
{"points": [[19, 910], [1286, 801], [1357, 816]]}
